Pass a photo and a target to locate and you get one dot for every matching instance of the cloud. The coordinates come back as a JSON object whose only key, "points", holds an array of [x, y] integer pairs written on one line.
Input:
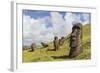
{"points": [[32, 29], [71, 19], [57, 18], [58, 24], [44, 29]]}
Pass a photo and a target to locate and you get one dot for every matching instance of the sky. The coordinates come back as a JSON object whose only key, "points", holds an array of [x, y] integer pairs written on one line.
{"points": [[41, 26]]}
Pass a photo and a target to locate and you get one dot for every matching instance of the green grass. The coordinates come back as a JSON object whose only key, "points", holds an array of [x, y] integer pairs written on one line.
{"points": [[62, 54]]}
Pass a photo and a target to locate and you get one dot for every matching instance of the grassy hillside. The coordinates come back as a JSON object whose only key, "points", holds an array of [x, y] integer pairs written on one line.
{"points": [[42, 54]]}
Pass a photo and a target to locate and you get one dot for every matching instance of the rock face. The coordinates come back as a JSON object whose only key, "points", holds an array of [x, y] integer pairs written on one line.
{"points": [[76, 40]]}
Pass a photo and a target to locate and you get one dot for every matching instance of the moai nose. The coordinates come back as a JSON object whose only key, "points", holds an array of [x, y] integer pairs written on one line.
{"points": [[73, 35]]}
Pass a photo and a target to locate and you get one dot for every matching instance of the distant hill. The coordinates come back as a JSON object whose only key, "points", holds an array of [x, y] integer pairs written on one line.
{"points": [[43, 54]]}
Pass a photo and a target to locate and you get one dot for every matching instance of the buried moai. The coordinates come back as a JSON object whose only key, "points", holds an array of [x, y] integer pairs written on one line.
{"points": [[61, 41], [56, 43], [33, 46], [76, 40]]}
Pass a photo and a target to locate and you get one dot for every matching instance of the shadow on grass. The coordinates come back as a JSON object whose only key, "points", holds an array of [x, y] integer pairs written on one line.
{"points": [[51, 50], [61, 57]]}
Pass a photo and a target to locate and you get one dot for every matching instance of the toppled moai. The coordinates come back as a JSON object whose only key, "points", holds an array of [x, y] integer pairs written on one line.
{"points": [[44, 44], [76, 40], [56, 43]]}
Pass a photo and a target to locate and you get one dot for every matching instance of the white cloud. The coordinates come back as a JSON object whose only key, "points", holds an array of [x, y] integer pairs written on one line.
{"points": [[71, 19], [58, 24], [57, 18], [36, 30]]}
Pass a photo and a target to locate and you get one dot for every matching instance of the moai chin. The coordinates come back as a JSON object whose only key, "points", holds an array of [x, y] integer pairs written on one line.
{"points": [[76, 40]]}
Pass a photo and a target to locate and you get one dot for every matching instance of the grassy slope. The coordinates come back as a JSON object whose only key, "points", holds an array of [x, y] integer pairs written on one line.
{"points": [[60, 55]]}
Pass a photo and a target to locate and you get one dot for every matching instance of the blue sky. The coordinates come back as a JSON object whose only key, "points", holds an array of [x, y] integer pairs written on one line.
{"points": [[41, 26], [40, 14]]}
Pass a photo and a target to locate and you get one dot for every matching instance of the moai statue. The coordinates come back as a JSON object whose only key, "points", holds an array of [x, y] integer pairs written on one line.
{"points": [[56, 43], [61, 41], [76, 40], [33, 46], [44, 44]]}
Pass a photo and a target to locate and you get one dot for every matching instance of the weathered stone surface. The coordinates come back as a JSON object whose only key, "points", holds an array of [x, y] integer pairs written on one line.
{"points": [[33, 46], [61, 41], [56, 43], [44, 44], [76, 40]]}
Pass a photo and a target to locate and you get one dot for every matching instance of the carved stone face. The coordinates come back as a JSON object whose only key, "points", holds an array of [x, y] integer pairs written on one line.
{"points": [[75, 35], [76, 40], [73, 39]]}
